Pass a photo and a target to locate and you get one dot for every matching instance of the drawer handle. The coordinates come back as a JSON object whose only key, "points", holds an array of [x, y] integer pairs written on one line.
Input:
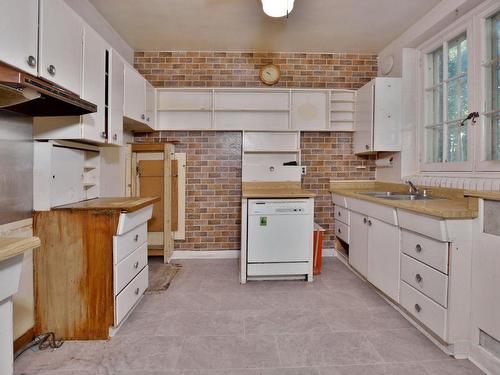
{"points": [[365, 220], [418, 278], [143, 116], [369, 222], [418, 248], [136, 264], [339, 230], [137, 291], [339, 213], [418, 308], [136, 238]]}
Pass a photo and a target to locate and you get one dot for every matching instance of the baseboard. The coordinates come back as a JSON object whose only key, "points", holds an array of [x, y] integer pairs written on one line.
{"points": [[487, 362], [24, 339], [206, 254]]}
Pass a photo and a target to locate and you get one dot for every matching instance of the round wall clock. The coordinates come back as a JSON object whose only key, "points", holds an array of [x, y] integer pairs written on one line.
{"points": [[270, 74]]}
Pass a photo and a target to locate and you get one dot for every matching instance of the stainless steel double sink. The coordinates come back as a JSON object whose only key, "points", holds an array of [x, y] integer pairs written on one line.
{"points": [[396, 196]]}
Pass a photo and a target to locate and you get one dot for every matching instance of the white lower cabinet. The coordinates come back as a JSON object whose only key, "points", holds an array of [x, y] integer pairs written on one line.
{"points": [[358, 244]]}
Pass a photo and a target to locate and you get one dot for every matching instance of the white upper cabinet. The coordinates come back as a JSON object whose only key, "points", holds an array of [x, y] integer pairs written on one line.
{"points": [[139, 104], [310, 110], [150, 105], [19, 34], [115, 100], [377, 125], [60, 45]]}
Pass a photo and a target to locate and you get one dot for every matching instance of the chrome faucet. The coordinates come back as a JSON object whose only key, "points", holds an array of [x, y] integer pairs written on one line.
{"points": [[413, 189]]}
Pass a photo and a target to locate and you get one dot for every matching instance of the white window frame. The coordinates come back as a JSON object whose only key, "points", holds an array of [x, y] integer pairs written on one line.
{"points": [[481, 49], [441, 40]]}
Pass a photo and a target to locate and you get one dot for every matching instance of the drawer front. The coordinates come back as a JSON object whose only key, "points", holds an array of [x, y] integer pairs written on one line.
{"points": [[342, 214], [428, 312], [428, 251], [377, 211], [339, 200], [427, 225], [425, 279], [130, 220], [130, 295], [342, 231], [125, 244], [129, 267]]}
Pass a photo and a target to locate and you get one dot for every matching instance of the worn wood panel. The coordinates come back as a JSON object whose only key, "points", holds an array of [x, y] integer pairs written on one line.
{"points": [[174, 207], [73, 273], [151, 168], [168, 238]]}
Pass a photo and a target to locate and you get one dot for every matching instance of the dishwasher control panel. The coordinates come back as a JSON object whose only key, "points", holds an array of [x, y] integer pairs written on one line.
{"points": [[278, 207]]}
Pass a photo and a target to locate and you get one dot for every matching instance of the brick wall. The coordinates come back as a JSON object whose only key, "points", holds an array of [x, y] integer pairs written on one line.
{"points": [[213, 175], [241, 69]]}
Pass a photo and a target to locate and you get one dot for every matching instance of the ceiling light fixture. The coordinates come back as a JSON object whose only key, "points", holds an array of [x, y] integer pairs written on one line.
{"points": [[277, 8]]}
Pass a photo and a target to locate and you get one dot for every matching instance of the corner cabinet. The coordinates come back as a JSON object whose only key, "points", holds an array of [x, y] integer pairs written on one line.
{"points": [[139, 102], [377, 122]]}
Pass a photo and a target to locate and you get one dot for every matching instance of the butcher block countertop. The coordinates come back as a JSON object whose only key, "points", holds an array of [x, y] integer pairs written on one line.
{"points": [[447, 203], [12, 246], [275, 190], [126, 204]]}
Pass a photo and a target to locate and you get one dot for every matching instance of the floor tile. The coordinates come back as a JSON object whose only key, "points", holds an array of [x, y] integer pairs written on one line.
{"points": [[381, 369], [279, 322], [326, 349], [451, 367]]}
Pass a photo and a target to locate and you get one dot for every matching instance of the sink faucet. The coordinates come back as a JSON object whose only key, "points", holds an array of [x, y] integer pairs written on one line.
{"points": [[413, 188]]}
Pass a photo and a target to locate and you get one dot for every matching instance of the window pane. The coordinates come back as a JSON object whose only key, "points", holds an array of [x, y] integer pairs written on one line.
{"points": [[457, 100], [457, 143], [493, 144], [438, 66], [434, 144], [457, 56], [438, 105], [492, 129], [452, 59]]}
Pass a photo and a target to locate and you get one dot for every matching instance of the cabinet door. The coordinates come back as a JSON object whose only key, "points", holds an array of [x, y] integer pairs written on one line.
{"points": [[387, 114], [115, 119], [150, 105], [66, 185], [60, 47], [384, 257], [363, 124], [94, 84], [358, 244], [309, 110], [134, 104], [19, 34]]}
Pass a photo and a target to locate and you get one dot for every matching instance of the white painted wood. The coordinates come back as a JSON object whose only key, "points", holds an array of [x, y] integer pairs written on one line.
{"points": [[125, 244], [185, 99], [60, 45], [425, 279], [272, 270], [134, 102], [341, 214], [383, 257], [339, 200], [42, 160], [129, 267], [342, 231], [150, 106], [251, 100], [271, 173], [66, 184], [128, 221], [426, 250], [251, 120], [377, 211], [432, 315], [130, 295], [271, 141], [309, 110], [184, 120], [180, 233], [358, 244], [426, 225], [363, 124], [19, 34], [115, 100], [243, 242]]}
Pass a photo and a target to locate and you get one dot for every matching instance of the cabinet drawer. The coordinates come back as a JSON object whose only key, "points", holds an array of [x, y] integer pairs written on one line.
{"points": [[428, 251], [341, 214], [374, 210], [342, 231], [130, 295], [129, 267], [427, 225], [424, 309], [425, 279], [125, 244], [339, 200], [130, 220]]}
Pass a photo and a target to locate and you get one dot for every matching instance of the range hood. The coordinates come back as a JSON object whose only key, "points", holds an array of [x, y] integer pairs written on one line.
{"points": [[24, 93]]}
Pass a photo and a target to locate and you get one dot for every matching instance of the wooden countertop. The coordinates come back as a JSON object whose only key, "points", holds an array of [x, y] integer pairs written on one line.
{"points": [[448, 203], [490, 195], [127, 204], [275, 190], [12, 246]]}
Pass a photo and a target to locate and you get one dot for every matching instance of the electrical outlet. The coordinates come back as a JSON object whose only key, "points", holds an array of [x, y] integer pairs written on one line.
{"points": [[304, 170]]}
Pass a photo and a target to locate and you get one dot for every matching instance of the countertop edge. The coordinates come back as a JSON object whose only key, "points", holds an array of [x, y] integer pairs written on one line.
{"points": [[144, 202], [13, 246]]}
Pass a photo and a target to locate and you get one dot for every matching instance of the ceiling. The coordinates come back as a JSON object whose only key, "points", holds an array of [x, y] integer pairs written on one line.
{"points": [[240, 25]]}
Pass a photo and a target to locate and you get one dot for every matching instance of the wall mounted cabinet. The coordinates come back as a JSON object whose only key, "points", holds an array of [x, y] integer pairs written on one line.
{"points": [[19, 34], [139, 102], [377, 125]]}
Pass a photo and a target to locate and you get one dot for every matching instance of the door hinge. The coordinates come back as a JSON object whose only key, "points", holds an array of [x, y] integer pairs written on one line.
{"points": [[138, 171]]}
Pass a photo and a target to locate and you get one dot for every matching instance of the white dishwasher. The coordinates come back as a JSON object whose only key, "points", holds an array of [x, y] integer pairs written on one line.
{"points": [[279, 238]]}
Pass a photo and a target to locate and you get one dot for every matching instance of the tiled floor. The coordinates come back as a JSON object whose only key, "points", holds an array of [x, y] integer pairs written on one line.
{"points": [[209, 324]]}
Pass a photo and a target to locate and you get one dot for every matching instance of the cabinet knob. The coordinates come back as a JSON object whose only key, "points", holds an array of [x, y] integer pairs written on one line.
{"points": [[369, 222], [418, 278], [104, 135], [143, 116], [339, 213], [147, 119], [136, 238], [31, 61], [418, 248], [115, 137], [365, 220], [417, 307], [137, 291], [338, 230], [367, 147], [136, 265], [52, 70]]}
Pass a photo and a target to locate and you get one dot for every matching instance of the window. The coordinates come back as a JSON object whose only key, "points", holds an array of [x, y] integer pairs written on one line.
{"points": [[492, 88], [446, 102]]}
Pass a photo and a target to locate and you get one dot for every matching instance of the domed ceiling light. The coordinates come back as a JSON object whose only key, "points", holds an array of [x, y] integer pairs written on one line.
{"points": [[277, 8]]}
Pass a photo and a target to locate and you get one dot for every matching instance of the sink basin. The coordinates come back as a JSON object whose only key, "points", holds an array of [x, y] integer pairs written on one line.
{"points": [[396, 196]]}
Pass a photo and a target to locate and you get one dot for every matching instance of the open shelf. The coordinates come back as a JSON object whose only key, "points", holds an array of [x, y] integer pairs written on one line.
{"points": [[271, 151]]}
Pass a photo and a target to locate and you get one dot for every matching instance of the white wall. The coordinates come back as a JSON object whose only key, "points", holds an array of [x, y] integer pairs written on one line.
{"points": [[90, 15]]}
